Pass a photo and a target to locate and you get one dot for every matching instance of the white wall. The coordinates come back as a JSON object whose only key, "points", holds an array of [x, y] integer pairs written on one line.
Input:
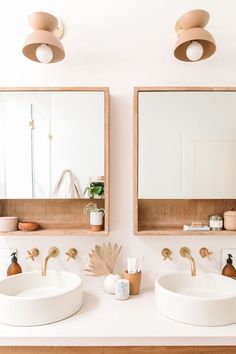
{"points": [[120, 44]]}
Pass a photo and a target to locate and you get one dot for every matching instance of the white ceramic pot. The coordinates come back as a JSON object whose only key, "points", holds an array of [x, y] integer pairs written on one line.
{"points": [[8, 223], [96, 220], [110, 283]]}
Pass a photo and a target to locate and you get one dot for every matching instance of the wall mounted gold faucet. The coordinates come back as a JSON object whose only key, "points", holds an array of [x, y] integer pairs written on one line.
{"points": [[185, 252], [204, 252], [52, 253], [32, 254], [71, 253], [166, 253]]}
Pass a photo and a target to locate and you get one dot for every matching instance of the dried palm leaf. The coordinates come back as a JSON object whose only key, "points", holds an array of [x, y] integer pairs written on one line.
{"points": [[102, 259]]}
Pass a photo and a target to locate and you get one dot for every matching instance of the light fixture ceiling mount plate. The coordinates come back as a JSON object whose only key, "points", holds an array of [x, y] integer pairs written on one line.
{"points": [[191, 19]]}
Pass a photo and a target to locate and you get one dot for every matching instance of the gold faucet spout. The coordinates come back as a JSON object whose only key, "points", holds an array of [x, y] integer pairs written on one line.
{"points": [[45, 265], [185, 252], [193, 265], [53, 252]]}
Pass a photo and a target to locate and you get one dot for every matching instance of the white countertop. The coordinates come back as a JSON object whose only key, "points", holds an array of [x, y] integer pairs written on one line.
{"points": [[105, 321]]}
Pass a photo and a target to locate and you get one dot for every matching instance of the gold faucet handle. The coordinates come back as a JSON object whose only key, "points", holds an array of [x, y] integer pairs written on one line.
{"points": [[204, 252], [71, 253], [53, 252], [184, 252], [32, 254], [166, 253]]}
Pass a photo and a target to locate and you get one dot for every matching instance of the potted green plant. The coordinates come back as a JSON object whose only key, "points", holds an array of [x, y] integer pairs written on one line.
{"points": [[95, 190], [96, 216]]}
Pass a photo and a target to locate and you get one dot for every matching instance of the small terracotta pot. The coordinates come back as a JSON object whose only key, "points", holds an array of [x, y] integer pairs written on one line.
{"points": [[134, 281]]}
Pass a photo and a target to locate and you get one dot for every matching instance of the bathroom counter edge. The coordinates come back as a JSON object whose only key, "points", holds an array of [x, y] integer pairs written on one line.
{"points": [[103, 321]]}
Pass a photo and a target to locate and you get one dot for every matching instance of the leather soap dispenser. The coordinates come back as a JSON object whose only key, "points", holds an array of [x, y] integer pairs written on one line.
{"points": [[14, 267], [229, 270]]}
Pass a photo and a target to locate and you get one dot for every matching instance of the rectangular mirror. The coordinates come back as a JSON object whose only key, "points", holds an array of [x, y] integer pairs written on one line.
{"points": [[185, 146], [50, 139], [54, 157]]}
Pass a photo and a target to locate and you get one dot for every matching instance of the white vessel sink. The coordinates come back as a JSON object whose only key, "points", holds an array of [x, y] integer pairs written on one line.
{"points": [[28, 299], [204, 300]]}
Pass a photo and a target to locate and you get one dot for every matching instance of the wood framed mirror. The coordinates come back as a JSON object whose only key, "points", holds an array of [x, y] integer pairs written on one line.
{"points": [[54, 146], [184, 158]]}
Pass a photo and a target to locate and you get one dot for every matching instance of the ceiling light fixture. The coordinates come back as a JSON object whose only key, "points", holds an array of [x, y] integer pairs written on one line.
{"points": [[43, 44], [194, 43]]}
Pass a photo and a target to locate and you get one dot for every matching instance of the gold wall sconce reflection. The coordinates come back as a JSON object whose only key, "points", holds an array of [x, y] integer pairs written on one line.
{"points": [[194, 42], [43, 44]]}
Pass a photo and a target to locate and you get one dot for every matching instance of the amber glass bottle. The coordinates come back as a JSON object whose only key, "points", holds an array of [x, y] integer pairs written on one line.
{"points": [[229, 270], [14, 267]]}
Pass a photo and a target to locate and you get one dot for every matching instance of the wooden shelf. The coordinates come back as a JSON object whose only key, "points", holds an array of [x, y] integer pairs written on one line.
{"points": [[178, 232], [159, 217], [56, 232], [56, 217]]}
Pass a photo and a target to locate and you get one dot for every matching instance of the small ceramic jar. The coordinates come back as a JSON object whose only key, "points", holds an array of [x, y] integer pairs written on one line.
{"points": [[8, 223], [230, 220]]}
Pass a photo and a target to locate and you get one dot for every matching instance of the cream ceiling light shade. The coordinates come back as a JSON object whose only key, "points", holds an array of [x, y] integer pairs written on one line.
{"points": [[43, 44], [194, 43]]}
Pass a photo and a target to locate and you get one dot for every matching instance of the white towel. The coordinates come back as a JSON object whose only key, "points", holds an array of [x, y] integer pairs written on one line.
{"points": [[67, 186]]}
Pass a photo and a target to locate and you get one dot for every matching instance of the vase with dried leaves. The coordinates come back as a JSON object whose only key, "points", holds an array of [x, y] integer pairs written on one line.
{"points": [[102, 261]]}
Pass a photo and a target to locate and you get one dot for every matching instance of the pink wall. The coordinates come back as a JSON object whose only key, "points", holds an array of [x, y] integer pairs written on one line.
{"points": [[120, 44]]}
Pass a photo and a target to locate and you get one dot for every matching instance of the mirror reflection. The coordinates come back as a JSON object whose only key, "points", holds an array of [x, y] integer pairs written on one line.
{"points": [[51, 144], [186, 145]]}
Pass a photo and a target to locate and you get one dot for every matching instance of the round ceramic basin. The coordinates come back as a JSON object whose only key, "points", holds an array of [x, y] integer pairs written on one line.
{"points": [[205, 300], [28, 299]]}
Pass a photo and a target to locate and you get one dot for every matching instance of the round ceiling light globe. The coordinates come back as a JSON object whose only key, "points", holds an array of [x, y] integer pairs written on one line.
{"points": [[44, 54], [194, 51]]}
